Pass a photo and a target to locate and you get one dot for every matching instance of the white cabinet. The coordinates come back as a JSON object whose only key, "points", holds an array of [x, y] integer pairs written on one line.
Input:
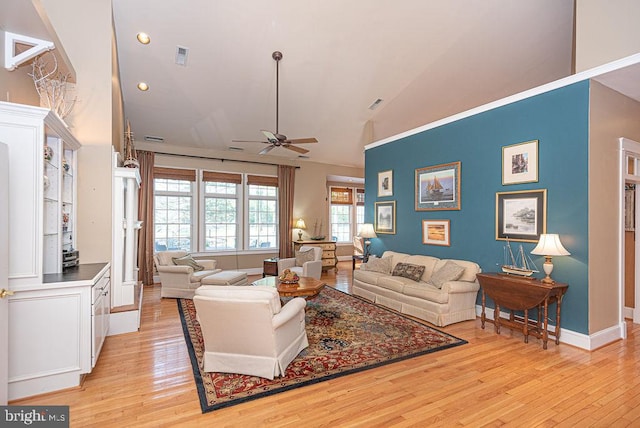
{"points": [[56, 330], [42, 208]]}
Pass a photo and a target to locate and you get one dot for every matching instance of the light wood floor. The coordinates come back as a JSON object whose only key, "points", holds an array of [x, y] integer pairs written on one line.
{"points": [[144, 379]]}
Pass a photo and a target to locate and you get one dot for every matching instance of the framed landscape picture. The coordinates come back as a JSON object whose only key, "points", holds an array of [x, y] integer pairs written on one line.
{"points": [[521, 216], [438, 187], [385, 183], [385, 221], [520, 163], [436, 232]]}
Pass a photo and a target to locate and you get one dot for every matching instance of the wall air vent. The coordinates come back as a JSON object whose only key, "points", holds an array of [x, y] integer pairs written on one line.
{"points": [[181, 55], [153, 139]]}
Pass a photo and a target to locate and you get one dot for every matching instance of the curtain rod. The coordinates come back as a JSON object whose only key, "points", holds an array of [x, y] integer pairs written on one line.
{"points": [[222, 159]]}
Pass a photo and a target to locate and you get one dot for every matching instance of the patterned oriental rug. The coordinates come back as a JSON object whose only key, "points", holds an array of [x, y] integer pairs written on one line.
{"points": [[346, 335]]}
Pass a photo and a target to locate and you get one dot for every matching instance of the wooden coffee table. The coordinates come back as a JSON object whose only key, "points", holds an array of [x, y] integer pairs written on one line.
{"points": [[306, 287]]}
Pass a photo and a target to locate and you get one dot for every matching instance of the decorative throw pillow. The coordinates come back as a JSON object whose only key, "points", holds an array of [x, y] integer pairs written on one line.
{"points": [[408, 270], [449, 272], [187, 260], [304, 256], [374, 264]]}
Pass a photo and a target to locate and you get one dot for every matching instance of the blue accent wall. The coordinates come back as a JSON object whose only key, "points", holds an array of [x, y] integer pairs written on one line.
{"points": [[559, 121]]}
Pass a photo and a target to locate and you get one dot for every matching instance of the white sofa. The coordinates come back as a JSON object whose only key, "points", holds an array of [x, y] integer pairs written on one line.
{"points": [[453, 301], [180, 281], [246, 330]]}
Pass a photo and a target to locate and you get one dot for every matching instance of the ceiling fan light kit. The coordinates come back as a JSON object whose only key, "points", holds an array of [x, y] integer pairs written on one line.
{"points": [[275, 139]]}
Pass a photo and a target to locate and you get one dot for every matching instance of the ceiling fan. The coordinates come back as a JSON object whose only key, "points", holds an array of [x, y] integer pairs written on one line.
{"points": [[275, 139]]}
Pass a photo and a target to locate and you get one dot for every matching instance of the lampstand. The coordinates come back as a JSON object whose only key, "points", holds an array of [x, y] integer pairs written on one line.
{"points": [[549, 245], [367, 233], [301, 226]]}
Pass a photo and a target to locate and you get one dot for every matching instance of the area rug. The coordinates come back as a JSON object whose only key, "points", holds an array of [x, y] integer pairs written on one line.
{"points": [[346, 335]]}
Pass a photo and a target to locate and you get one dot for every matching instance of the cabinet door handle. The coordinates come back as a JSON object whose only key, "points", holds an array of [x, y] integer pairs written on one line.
{"points": [[4, 293]]}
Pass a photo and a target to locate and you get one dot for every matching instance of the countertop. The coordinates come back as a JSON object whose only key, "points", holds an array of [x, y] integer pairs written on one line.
{"points": [[83, 273]]}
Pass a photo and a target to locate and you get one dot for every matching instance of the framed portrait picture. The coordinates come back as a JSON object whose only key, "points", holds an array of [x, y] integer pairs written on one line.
{"points": [[385, 183], [521, 216], [520, 163], [438, 187], [436, 232], [385, 221]]}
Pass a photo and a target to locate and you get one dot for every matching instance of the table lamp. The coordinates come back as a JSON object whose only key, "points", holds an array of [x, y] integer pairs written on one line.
{"points": [[300, 225], [367, 233], [549, 245]]}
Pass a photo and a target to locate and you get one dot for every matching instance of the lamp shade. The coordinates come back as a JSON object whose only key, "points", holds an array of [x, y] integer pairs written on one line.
{"points": [[300, 224], [550, 245], [367, 231]]}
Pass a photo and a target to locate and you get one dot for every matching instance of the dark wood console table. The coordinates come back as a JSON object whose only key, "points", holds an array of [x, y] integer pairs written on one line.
{"points": [[521, 294]]}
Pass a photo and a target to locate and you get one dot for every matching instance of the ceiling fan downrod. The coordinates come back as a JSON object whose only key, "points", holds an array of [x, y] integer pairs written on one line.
{"points": [[277, 56]]}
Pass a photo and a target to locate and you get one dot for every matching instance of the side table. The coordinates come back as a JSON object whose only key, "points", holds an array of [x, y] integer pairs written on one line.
{"points": [[270, 267]]}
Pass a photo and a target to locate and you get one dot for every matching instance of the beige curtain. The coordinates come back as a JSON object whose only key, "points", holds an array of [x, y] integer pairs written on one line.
{"points": [[286, 182], [145, 213]]}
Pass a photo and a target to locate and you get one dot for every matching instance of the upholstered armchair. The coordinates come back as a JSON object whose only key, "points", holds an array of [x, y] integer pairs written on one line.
{"points": [[311, 268], [247, 331], [181, 281]]}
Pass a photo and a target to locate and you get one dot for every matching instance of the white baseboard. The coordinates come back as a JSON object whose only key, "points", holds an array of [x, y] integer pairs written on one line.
{"points": [[628, 313], [573, 338], [124, 322]]}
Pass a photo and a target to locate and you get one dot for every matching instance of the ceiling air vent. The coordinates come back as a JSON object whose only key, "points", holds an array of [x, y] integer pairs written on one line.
{"points": [[236, 149], [153, 139], [375, 104], [181, 55]]}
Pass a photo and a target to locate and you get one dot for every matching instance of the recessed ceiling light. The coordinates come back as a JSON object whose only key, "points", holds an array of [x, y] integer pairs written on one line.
{"points": [[143, 86], [143, 38]]}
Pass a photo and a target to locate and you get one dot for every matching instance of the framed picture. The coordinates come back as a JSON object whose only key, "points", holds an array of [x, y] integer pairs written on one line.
{"points": [[438, 187], [521, 216], [385, 221], [436, 232], [385, 183], [520, 163]]}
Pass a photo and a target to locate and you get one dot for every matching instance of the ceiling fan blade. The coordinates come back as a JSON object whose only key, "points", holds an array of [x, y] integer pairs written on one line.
{"points": [[266, 150], [270, 136], [301, 141], [249, 141], [295, 149]]}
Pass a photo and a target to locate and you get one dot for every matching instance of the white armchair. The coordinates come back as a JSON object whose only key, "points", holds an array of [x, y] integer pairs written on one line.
{"points": [[247, 331], [311, 269], [180, 281]]}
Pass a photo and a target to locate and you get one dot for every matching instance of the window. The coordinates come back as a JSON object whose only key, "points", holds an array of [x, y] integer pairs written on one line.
{"points": [[221, 193], [263, 211], [346, 212], [173, 209]]}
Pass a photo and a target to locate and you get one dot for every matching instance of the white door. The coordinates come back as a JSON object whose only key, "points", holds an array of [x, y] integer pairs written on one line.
{"points": [[4, 273]]}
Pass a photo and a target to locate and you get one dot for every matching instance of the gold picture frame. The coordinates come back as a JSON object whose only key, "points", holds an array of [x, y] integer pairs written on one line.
{"points": [[385, 183], [520, 163], [436, 232], [438, 187]]}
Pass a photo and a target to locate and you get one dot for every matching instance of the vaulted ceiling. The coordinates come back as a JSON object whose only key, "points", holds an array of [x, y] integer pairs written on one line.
{"points": [[426, 59]]}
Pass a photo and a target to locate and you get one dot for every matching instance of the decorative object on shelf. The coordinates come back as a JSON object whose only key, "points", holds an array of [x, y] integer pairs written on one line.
{"points": [[518, 264], [48, 153], [367, 232], [317, 231], [385, 183], [385, 221], [436, 232], [548, 246], [52, 86], [130, 158], [438, 187], [289, 277], [65, 221], [520, 163], [300, 226], [46, 182], [521, 216], [65, 165]]}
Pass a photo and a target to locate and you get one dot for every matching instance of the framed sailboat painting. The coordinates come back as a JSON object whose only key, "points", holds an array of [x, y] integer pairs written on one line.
{"points": [[438, 187]]}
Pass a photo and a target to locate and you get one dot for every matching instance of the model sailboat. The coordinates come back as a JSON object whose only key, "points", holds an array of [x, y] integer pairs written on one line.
{"points": [[519, 264]]}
